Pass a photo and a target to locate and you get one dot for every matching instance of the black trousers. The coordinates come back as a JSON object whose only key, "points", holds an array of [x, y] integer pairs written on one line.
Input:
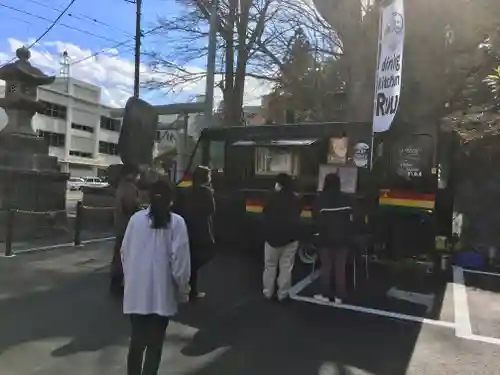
{"points": [[193, 280], [146, 344], [201, 254], [116, 281]]}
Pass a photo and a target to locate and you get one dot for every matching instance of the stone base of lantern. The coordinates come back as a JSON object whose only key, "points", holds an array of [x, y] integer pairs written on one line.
{"points": [[30, 181]]}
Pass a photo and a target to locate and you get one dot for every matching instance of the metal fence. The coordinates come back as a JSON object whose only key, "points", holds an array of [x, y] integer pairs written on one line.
{"points": [[55, 227]]}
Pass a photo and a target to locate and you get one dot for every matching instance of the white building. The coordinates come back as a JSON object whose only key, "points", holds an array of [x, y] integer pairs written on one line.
{"points": [[78, 128]]}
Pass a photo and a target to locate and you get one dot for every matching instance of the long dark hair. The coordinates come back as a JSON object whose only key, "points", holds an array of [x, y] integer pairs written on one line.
{"points": [[331, 185], [161, 195], [201, 176], [285, 181]]}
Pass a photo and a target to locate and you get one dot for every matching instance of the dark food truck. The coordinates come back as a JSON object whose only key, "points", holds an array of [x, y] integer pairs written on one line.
{"points": [[414, 171], [406, 195], [246, 160]]}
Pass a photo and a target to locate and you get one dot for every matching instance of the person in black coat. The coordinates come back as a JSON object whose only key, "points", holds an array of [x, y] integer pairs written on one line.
{"points": [[281, 233], [200, 207], [333, 217]]}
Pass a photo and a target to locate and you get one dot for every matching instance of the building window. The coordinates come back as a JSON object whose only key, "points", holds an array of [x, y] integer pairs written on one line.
{"points": [[53, 139], [108, 148], [84, 128], [110, 124], [81, 154], [53, 110]]}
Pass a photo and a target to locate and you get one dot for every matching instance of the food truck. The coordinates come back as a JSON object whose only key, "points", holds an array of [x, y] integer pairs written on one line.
{"points": [[401, 181], [415, 172], [246, 160]]}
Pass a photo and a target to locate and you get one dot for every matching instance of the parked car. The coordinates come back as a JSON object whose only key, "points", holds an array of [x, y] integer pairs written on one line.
{"points": [[75, 183], [94, 182]]}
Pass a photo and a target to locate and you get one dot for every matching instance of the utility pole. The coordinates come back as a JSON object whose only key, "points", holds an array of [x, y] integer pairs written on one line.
{"points": [[211, 57], [138, 35]]}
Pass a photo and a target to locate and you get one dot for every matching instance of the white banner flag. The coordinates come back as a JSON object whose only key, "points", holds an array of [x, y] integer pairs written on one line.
{"points": [[389, 66]]}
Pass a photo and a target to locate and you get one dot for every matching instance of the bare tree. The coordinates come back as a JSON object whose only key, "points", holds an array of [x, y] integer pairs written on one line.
{"points": [[253, 40], [441, 52]]}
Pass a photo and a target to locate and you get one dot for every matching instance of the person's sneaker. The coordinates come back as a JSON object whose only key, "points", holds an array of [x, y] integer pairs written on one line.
{"points": [[338, 300], [197, 296], [282, 298], [322, 298]]}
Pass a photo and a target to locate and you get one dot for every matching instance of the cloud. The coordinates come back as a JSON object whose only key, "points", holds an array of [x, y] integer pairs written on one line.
{"points": [[115, 74]]}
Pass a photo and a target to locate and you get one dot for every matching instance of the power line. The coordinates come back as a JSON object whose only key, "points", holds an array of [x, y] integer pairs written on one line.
{"points": [[80, 16], [18, 19], [107, 49], [53, 23], [60, 24], [104, 50]]}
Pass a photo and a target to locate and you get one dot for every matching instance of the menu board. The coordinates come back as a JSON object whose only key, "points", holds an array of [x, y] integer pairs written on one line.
{"points": [[348, 177], [413, 158], [410, 161]]}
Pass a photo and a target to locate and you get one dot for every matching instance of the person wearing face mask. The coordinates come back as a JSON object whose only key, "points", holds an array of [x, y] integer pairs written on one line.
{"points": [[281, 228]]}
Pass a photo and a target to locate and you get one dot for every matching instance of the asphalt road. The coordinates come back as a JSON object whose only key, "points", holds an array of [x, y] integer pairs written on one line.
{"points": [[56, 318]]}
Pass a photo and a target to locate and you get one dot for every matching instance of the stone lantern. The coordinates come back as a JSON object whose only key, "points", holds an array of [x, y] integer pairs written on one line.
{"points": [[20, 102], [30, 179]]}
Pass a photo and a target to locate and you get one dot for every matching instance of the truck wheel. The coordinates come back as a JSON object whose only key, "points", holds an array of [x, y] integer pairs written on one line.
{"points": [[307, 253]]}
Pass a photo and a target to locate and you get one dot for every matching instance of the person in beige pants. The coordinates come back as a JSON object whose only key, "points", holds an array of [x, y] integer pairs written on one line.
{"points": [[281, 228], [282, 258]]}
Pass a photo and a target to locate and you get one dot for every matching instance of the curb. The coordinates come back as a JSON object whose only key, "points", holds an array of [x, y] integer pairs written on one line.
{"points": [[58, 246]]}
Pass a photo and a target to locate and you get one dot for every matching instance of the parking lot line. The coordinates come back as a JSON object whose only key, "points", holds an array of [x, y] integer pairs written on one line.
{"points": [[297, 288], [463, 327], [378, 312], [481, 272], [485, 339], [458, 275]]}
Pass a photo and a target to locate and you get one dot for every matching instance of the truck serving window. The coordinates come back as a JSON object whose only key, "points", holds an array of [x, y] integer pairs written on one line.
{"points": [[274, 160], [217, 153]]}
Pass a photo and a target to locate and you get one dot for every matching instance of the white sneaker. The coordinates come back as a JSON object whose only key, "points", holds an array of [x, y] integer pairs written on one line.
{"points": [[282, 297], [321, 298], [338, 301]]}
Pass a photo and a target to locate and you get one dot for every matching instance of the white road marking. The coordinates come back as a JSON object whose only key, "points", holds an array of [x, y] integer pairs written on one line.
{"points": [[297, 288], [485, 339], [458, 276], [301, 285], [384, 313], [481, 272], [463, 327]]}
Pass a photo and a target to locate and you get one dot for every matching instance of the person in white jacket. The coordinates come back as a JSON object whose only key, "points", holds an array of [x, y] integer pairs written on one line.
{"points": [[156, 267]]}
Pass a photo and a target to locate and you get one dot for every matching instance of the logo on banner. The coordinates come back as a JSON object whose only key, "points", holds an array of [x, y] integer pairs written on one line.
{"points": [[395, 25], [393, 30], [390, 64]]}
